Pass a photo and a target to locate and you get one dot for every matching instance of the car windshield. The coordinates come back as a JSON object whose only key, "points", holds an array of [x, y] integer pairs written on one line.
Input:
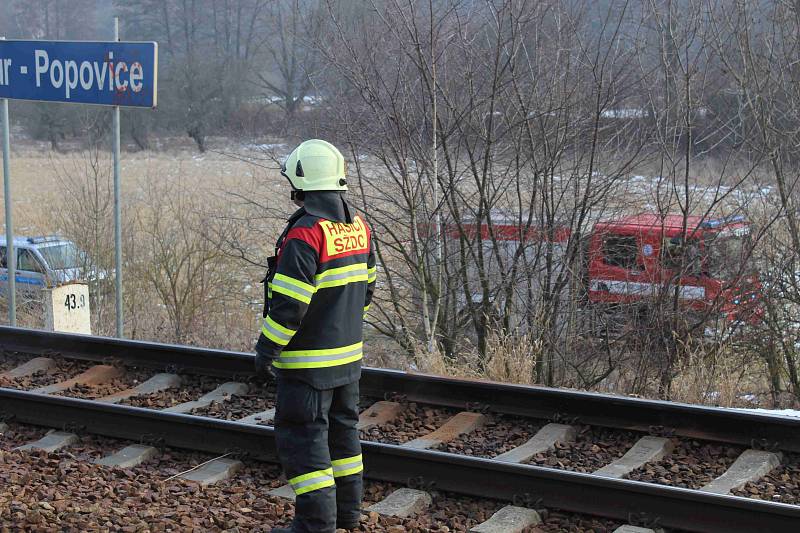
{"points": [[61, 256], [727, 255]]}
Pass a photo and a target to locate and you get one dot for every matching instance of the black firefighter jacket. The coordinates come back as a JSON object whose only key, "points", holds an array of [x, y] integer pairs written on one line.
{"points": [[317, 292]]}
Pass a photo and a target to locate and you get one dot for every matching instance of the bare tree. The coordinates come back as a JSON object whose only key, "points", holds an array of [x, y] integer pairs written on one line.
{"points": [[85, 216], [185, 269], [290, 62], [208, 50], [758, 45], [461, 130]]}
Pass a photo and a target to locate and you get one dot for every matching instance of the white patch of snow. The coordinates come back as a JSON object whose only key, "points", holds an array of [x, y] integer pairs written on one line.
{"points": [[271, 146], [630, 112]]}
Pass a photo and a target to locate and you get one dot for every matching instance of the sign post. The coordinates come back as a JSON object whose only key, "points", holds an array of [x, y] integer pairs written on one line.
{"points": [[11, 258], [117, 213], [84, 72]]}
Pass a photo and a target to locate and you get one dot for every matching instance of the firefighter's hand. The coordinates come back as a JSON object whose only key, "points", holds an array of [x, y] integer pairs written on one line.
{"points": [[266, 352], [264, 369]]}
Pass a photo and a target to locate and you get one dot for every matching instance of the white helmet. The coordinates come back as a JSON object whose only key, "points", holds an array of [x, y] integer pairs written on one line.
{"points": [[315, 165]]}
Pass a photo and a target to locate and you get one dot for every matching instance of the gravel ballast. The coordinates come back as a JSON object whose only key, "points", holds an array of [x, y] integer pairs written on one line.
{"points": [[64, 369], [258, 399], [691, 465], [59, 491], [17, 435], [192, 388], [132, 378], [594, 447], [499, 435], [781, 485], [414, 421], [10, 361]]}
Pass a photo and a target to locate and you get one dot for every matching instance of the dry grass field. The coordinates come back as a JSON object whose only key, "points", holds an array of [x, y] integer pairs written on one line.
{"points": [[172, 199], [38, 176], [175, 201], [195, 227]]}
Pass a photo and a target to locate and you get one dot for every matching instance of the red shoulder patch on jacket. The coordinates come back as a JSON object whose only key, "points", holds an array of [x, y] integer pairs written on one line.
{"points": [[311, 236]]}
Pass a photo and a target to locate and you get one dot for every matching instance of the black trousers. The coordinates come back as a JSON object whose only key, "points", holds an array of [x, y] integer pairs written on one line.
{"points": [[319, 448]]}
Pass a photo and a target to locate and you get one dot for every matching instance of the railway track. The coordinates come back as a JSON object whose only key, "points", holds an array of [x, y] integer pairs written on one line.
{"points": [[471, 438], [67, 492]]}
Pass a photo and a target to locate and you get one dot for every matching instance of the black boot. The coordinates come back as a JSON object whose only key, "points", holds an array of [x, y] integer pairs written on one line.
{"points": [[281, 530]]}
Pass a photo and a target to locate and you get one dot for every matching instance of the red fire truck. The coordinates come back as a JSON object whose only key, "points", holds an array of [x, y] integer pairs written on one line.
{"points": [[704, 260], [641, 257]]}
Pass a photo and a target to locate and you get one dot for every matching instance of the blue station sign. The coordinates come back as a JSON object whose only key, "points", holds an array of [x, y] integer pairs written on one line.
{"points": [[80, 72]]}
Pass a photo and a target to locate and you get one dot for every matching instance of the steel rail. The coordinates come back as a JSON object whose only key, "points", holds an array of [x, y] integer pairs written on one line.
{"points": [[584, 493], [710, 423]]}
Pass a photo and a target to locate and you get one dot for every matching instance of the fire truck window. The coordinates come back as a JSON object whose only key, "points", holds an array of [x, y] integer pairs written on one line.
{"points": [[675, 250], [621, 252]]}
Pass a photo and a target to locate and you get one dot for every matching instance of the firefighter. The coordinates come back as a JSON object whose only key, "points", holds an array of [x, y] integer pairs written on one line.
{"points": [[317, 290]]}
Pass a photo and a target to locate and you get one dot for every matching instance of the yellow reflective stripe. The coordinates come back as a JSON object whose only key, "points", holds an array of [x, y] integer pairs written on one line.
{"points": [[372, 274], [348, 466], [319, 358], [340, 270], [271, 336], [290, 293], [293, 288], [316, 473], [302, 285], [349, 471], [316, 364], [312, 481], [282, 329], [276, 333], [343, 281], [315, 486], [336, 277], [340, 462], [324, 351], [366, 308]]}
